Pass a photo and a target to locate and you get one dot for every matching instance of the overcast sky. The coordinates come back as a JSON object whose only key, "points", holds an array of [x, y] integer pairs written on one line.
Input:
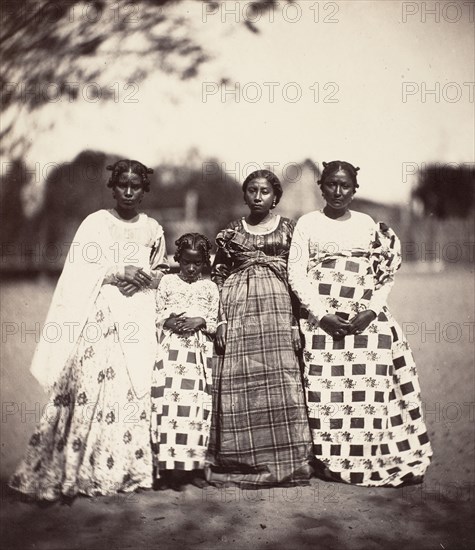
{"points": [[360, 57]]}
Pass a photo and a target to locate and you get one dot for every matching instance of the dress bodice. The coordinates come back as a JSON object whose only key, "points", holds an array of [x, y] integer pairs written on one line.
{"points": [[239, 249]]}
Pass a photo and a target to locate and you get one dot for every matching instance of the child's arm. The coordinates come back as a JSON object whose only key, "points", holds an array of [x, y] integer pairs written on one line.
{"points": [[189, 324], [162, 297], [209, 301], [174, 322]]}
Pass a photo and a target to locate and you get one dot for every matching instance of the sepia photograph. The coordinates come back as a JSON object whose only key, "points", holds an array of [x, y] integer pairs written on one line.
{"points": [[237, 274]]}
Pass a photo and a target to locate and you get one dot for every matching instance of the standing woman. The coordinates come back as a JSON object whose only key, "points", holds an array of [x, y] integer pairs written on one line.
{"points": [[259, 429], [362, 387], [94, 436]]}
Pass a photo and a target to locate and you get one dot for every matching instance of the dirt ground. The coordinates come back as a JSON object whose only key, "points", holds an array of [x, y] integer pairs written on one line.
{"points": [[436, 310]]}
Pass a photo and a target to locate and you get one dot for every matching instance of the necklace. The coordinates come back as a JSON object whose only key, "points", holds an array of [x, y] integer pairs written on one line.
{"points": [[264, 225]]}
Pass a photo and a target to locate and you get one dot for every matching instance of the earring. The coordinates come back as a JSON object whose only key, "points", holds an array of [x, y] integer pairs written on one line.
{"points": [[274, 203]]}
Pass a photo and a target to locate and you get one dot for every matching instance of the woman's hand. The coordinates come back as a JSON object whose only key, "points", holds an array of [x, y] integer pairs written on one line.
{"points": [[361, 321], [334, 326], [136, 276], [296, 339], [189, 324], [221, 332]]}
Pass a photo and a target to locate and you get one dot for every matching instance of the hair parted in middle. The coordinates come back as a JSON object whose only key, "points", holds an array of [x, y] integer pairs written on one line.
{"points": [[193, 241], [270, 177], [337, 165], [132, 166]]}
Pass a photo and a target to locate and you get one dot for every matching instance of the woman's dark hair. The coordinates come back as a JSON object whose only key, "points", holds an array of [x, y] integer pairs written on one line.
{"points": [[133, 166], [336, 165], [193, 241], [270, 177]]}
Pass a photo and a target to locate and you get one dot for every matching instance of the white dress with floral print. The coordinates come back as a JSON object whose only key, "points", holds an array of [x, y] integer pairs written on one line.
{"points": [[94, 435]]}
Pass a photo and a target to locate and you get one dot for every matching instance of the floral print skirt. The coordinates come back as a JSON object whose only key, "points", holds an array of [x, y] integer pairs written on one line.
{"points": [[363, 392], [181, 401], [94, 434]]}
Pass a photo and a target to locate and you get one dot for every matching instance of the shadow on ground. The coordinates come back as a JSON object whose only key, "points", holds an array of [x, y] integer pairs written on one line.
{"points": [[323, 515]]}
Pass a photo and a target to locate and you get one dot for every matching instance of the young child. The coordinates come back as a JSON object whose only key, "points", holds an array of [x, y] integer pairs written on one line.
{"points": [[187, 309]]}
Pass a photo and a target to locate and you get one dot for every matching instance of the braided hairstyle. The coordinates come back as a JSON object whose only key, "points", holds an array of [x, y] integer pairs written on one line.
{"points": [[270, 177], [193, 241], [330, 168], [133, 166]]}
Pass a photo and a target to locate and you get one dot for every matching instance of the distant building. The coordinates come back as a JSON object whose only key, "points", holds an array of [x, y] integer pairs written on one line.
{"points": [[182, 199], [301, 191], [392, 215]]}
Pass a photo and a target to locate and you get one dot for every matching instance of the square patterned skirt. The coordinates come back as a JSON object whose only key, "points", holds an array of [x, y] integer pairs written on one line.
{"points": [[363, 392], [181, 401]]}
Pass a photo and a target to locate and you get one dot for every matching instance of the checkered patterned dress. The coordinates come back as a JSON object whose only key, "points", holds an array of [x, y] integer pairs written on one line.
{"points": [[181, 380], [259, 433], [363, 392]]}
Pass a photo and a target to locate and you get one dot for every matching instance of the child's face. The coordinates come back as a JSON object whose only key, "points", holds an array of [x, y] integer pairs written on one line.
{"points": [[191, 264]]}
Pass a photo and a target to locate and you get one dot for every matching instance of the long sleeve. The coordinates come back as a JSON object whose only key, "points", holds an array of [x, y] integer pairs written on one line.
{"points": [[212, 307], [221, 267], [113, 273], [380, 296], [161, 303], [306, 290], [386, 260], [158, 257]]}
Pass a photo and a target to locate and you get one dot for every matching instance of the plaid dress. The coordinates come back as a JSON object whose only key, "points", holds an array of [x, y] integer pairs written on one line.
{"points": [[259, 429], [181, 380], [363, 391]]}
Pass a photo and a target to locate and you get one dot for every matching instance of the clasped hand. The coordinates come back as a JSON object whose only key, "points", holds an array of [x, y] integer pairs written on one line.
{"points": [[133, 280], [183, 325], [338, 328]]}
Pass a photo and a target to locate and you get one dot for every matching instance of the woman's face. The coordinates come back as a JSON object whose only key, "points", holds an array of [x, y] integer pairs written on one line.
{"points": [[128, 191], [191, 264], [259, 195], [338, 190]]}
